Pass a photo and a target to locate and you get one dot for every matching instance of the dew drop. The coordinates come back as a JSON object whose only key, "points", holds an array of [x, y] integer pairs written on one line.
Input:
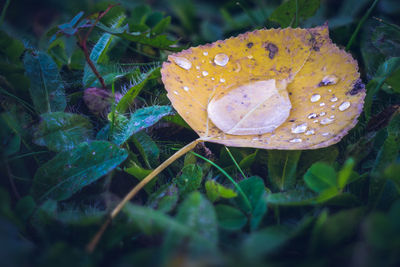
{"points": [[221, 59], [344, 106], [322, 104], [299, 128], [175, 92], [332, 117], [94, 153], [249, 56], [315, 98], [205, 73], [197, 67], [296, 140], [326, 121], [315, 121], [310, 132], [212, 78], [322, 114], [186, 88], [334, 99], [205, 53], [312, 116], [222, 80], [325, 134], [182, 62], [329, 80]]}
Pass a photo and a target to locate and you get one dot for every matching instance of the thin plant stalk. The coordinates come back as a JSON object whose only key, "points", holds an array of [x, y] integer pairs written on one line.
{"points": [[92, 244], [239, 189], [363, 19], [234, 161]]}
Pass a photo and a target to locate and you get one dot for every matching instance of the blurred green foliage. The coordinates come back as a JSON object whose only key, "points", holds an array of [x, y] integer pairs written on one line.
{"points": [[64, 165]]}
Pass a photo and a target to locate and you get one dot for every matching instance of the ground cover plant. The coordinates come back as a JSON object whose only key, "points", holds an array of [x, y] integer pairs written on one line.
{"points": [[85, 117]]}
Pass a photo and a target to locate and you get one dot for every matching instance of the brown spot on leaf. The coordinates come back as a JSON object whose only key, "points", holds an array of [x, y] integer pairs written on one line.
{"points": [[271, 48], [358, 87]]}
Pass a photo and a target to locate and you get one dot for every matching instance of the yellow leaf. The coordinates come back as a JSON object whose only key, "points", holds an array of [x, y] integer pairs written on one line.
{"points": [[273, 89]]}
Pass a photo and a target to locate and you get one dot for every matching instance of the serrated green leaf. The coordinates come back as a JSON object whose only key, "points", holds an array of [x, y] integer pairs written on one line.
{"points": [[61, 131], [98, 55], [141, 119], [70, 171], [136, 88], [46, 88]]}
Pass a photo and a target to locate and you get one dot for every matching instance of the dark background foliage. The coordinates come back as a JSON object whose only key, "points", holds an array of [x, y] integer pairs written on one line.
{"points": [[72, 144]]}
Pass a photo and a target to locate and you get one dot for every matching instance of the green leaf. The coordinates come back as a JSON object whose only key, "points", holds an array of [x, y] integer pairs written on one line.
{"points": [[298, 197], [136, 88], [161, 26], [230, 218], [345, 173], [141, 119], [11, 48], [98, 55], [387, 154], [140, 173], [285, 14], [384, 71], [164, 199], [253, 187], [190, 179], [309, 157], [392, 173], [215, 191], [152, 221], [46, 89], [61, 131], [282, 167], [337, 228], [147, 148], [158, 41], [70, 171], [320, 177], [9, 136], [198, 214], [177, 119], [265, 241]]}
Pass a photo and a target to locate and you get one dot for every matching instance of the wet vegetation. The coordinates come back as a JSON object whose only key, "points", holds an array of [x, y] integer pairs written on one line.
{"points": [[85, 117]]}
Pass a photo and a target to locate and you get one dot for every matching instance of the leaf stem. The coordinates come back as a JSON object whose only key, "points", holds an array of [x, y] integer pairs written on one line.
{"points": [[92, 244], [234, 161], [363, 19], [239, 189]]}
